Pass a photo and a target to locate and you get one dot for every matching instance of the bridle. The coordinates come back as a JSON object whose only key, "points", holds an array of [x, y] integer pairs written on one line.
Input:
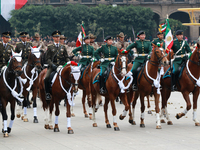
{"points": [[35, 62], [123, 61], [11, 63], [159, 59]]}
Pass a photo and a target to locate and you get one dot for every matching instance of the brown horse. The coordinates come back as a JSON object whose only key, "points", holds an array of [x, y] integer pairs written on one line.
{"points": [[148, 82], [66, 80], [85, 86], [10, 82], [116, 76], [187, 83], [30, 72]]}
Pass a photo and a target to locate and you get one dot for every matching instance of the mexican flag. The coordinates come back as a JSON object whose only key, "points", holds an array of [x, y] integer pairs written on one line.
{"points": [[7, 5], [168, 37], [80, 36]]}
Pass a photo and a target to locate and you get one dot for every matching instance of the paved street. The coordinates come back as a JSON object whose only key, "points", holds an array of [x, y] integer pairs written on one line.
{"points": [[29, 136]]}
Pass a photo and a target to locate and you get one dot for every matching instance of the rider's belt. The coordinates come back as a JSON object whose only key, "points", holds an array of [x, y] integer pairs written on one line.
{"points": [[86, 56], [180, 56], [110, 58]]}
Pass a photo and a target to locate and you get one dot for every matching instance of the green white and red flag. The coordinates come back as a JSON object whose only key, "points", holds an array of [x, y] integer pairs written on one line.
{"points": [[163, 27], [7, 5], [81, 36], [168, 37]]}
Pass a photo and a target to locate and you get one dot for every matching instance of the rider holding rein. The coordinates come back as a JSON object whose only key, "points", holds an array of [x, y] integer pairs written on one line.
{"points": [[110, 54], [86, 52], [143, 50], [180, 47]]}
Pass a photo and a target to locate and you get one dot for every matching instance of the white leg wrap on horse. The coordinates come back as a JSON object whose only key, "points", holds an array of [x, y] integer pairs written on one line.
{"points": [[93, 115], [46, 116], [56, 119], [162, 113], [97, 106], [185, 111], [133, 114], [68, 122], [142, 115], [35, 111], [50, 119], [25, 110], [90, 110], [11, 123], [5, 125], [195, 116], [114, 119], [158, 118], [124, 113]]}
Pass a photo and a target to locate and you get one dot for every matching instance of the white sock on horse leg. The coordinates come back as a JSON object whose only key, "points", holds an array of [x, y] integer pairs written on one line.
{"points": [[114, 119], [68, 122], [124, 113], [5, 125], [142, 115], [11, 123], [158, 118], [50, 119], [25, 110], [35, 111], [162, 113], [167, 115], [46, 116], [133, 114], [185, 111], [90, 110], [56, 119], [195, 116]]}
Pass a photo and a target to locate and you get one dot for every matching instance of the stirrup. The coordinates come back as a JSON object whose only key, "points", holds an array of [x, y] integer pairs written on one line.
{"points": [[174, 88], [134, 87], [102, 91], [48, 96]]}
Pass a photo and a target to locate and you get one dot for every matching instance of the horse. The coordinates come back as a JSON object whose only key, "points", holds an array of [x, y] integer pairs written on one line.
{"points": [[11, 82], [30, 72], [65, 81], [148, 82], [187, 83], [115, 85], [85, 86]]}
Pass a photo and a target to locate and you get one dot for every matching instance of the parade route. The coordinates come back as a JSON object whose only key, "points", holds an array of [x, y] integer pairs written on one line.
{"points": [[183, 134]]}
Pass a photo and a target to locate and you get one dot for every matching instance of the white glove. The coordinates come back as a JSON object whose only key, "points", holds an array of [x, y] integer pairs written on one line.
{"points": [[80, 56], [113, 63], [136, 55], [102, 60]]}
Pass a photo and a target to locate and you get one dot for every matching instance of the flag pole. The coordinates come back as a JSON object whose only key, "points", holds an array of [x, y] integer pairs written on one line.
{"points": [[82, 37]]}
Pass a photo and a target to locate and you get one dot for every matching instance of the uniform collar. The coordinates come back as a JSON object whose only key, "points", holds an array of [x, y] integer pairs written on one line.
{"points": [[24, 43], [56, 44], [108, 45], [4, 44]]}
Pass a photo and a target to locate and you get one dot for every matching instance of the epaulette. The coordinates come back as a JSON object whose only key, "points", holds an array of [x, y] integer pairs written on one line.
{"points": [[50, 45], [18, 43], [29, 42]]}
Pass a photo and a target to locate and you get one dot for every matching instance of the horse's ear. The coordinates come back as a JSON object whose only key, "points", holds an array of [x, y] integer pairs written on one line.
{"points": [[40, 47], [79, 67], [12, 52], [198, 45], [153, 45], [119, 52], [31, 49], [20, 53], [161, 44]]}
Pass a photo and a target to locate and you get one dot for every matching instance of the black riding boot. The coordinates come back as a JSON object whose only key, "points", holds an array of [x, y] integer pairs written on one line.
{"points": [[101, 82], [47, 89], [134, 87], [173, 78]]}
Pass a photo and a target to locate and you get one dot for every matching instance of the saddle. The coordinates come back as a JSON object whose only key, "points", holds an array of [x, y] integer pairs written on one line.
{"points": [[51, 80], [179, 74]]}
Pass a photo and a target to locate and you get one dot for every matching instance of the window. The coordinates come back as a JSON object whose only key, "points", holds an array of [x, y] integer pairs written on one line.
{"points": [[54, 1]]}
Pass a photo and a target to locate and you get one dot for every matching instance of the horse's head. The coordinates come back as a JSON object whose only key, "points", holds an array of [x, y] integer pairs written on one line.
{"points": [[158, 55], [195, 57], [122, 61], [75, 72], [34, 58], [16, 63]]}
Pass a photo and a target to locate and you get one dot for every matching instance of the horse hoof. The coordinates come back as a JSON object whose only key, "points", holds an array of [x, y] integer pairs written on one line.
{"points": [[132, 122], [108, 126], [73, 115], [162, 121], [18, 115], [121, 117], [86, 115], [116, 128], [35, 120], [22, 117], [177, 116], [94, 124], [8, 129], [50, 127], [25, 119], [169, 123], [5, 134], [46, 126], [197, 124], [56, 130], [142, 126], [158, 127], [70, 132], [149, 112], [96, 110], [90, 117]]}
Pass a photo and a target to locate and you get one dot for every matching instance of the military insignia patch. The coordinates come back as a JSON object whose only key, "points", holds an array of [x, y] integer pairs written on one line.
{"points": [[9, 51]]}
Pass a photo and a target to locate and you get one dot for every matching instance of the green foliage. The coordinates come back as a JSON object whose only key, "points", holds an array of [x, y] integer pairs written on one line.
{"points": [[113, 20], [176, 25]]}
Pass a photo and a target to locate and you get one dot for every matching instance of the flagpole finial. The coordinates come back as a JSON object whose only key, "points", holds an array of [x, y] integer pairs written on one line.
{"points": [[167, 16], [82, 22]]}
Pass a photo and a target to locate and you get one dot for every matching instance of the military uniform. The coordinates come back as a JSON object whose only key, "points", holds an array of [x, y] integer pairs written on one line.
{"points": [[94, 45], [160, 41], [87, 54], [5, 53]]}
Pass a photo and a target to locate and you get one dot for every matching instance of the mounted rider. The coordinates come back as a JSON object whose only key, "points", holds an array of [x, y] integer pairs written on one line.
{"points": [[160, 40], [56, 56], [5, 50], [87, 53], [110, 54], [23, 46], [92, 41], [144, 49], [180, 47], [37, 42]]}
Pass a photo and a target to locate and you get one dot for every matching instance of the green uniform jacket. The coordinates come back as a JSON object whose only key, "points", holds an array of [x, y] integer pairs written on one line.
{"points": [[87, 51], [160, 41], [108, 52], [5, 54], [57, 56], [25, 50], [185, 49], [143, 47]]}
